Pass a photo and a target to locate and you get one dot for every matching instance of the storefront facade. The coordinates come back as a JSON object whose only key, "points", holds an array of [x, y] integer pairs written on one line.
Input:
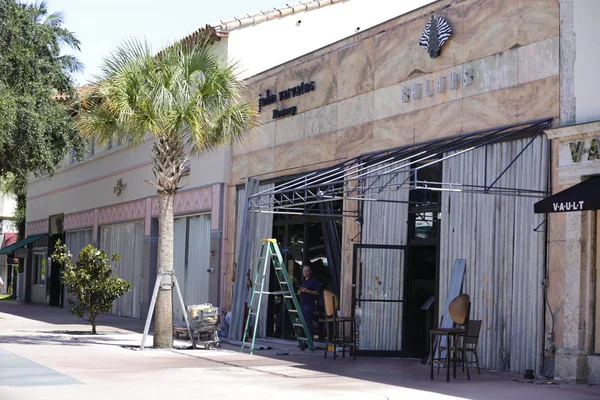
{"points": [[117, 211], [498, 72], [572, 321], [105, 200]]}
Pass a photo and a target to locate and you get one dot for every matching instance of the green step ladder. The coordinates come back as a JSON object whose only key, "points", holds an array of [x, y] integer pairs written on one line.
{"points": [[270, 254]]}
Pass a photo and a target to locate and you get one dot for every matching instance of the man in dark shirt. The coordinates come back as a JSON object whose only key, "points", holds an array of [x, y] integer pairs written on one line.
{"points": [[309, 292]]}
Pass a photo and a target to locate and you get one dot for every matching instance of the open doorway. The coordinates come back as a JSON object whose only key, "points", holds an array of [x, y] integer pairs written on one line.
{"points": [[304, 240], [421, 294], [422, 268]]}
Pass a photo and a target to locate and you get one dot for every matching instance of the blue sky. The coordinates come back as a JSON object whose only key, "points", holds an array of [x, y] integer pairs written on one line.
{"points": [[101, 25]]}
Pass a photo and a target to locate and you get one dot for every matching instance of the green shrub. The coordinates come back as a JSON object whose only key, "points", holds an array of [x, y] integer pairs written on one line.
{"points": [[92, 290]]}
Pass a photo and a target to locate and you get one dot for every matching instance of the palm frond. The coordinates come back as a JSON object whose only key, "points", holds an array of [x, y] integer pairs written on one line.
{"points": [[70, 63], [186, 97], [54, 19]]}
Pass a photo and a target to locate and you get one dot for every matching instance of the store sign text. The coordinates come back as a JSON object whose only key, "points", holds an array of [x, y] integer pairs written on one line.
{"points": [[577, 149], [429, 87], [569, 206], [272, 97]]}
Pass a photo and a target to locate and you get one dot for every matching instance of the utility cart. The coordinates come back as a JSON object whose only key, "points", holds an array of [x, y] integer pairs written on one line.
{"points": [[204, 323]]}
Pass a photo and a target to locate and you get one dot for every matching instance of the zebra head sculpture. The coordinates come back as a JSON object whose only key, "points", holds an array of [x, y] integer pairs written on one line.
{"points": [[436, 33]]}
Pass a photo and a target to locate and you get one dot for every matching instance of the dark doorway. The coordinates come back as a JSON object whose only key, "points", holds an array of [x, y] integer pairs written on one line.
{"points": [[54, 288], [304, 240], [423, 262], [421, 291]]}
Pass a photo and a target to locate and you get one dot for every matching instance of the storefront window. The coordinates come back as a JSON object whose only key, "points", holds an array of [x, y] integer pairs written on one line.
{"points": [[39, 269]]}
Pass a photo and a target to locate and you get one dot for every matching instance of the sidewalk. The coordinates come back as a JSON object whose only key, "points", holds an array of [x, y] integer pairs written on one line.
{"points": [[41, 358]]}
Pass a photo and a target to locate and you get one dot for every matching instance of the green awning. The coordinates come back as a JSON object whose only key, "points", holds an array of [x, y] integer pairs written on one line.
{"points": [[20, 243]]}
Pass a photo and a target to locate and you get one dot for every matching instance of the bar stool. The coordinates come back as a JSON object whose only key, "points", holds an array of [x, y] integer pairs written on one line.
{"points": [[332, 305], [459, 312]]}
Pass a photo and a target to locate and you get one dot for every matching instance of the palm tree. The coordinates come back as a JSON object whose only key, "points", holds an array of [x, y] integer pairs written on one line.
{"points": [[185, 99]]}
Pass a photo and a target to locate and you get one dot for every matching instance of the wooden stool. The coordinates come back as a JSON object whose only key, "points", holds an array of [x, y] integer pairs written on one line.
{"points": [[459, 310], [452, 335]]}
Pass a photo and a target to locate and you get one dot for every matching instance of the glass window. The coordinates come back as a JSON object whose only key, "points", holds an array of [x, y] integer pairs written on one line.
{"points": [[39, 269], [429, 176], [423, 225]]}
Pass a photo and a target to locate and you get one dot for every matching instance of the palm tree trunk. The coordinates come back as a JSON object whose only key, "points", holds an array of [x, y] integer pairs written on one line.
{"points": [[163, 322]]}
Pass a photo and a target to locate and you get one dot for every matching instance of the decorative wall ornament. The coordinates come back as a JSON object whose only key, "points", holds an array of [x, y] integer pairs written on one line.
{"points": [[436, 33], [119, 187]]}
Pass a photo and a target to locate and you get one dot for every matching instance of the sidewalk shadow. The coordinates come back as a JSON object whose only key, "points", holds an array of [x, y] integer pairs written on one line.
{"points": [[405, 373], [28, 338], [61, 316]]}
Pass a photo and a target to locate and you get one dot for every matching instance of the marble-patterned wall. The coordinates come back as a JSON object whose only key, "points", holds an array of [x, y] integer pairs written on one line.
{"points": [[511, 45], [357, 105]]}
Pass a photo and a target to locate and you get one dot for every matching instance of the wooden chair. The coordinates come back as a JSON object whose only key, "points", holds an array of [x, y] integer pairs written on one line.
{"points": [[471, 338], [470, 343], [459, 312], [332, 306]]}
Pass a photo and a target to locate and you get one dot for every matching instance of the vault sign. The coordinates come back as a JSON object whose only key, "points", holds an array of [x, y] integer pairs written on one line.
{"points": [[580, 197], [580, 152], [568, 206], [269, 98]]}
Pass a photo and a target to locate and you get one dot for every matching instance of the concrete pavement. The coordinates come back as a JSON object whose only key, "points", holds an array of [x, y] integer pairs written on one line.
{"points": [[42, 356]]}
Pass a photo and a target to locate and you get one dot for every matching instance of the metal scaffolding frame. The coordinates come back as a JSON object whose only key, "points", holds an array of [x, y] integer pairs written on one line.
{"points": [[365, 176]]}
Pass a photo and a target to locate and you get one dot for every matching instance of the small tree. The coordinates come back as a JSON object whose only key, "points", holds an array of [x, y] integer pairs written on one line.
{"points": [[92, 290]]}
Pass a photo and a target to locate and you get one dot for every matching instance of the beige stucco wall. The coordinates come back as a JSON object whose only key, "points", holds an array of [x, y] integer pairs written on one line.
{"points": [[89, 184], [573, 262], [357, 106], [579, 88], [587, 61]]}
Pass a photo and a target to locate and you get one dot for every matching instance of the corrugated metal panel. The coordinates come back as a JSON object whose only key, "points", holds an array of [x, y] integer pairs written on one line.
{"points": [[191, 258], [127, 240], [383, 272], [179, 263], [77, 240], [263, 229], [505, 257]]}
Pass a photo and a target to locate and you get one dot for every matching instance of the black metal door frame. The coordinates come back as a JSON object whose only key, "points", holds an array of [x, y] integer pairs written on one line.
{"points": [[356, 300]]}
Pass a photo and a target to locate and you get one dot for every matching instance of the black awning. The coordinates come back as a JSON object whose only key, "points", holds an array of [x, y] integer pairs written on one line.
{"points": [[583, 196]]}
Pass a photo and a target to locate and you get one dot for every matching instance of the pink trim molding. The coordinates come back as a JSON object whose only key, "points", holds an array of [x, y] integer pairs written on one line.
{"points": [[79, 220], [190, 201], [122, 212], [37, 227]]}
